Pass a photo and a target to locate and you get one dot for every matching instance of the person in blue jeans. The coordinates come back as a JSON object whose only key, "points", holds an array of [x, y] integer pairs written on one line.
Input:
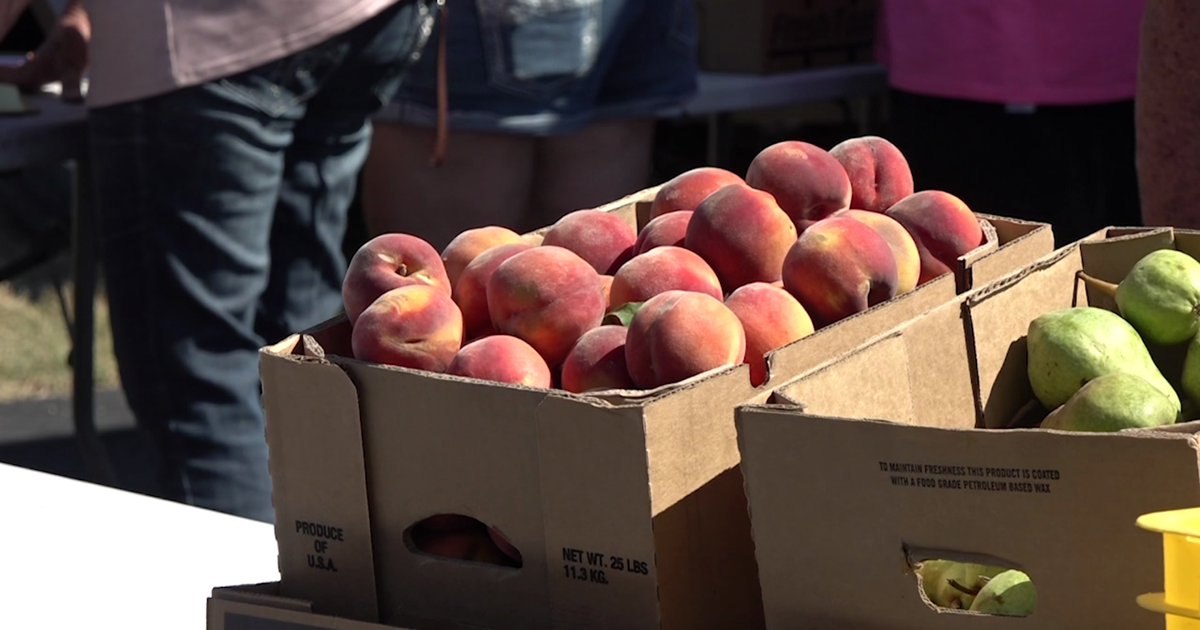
{"points": [[227, 139], [549, 107]]}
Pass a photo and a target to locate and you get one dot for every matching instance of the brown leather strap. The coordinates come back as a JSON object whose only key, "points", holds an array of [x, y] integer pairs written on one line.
{"points": [[439, 149]]}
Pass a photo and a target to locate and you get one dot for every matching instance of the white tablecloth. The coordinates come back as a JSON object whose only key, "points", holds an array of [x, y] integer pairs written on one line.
{"points": [[78, 555]]}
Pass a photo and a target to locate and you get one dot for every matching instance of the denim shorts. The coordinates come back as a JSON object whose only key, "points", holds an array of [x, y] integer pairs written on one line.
{"points": [[546, 67]]}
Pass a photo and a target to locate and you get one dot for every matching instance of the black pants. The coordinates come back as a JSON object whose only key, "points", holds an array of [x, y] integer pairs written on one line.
{"points": [[1071, 166]]}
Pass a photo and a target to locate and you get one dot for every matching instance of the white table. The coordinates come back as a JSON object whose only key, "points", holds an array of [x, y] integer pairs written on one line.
{"points": [[80, 555]]}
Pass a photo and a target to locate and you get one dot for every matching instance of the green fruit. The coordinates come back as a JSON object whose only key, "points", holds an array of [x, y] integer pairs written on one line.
{"points": [[950, 584], [1011, 593], [1120, 400], [1071, 346], [1190, 382], [1161, 297]]}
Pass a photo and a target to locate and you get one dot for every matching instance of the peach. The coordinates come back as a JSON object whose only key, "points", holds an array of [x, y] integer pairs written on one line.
{"points": [[474, 545], [503, 359], [904, 248], [806, 181], [386, 262], [601, 238], [879, 173], [462, 249], [533, 238], [662, 269], [597, 361], [678, 334], [668, 229], [839, 267], [606, 282], [471, 291], [506, 547], [771, 318], [686, 190], [547, 296], [742, 233], [942, 226], [416, 326]]}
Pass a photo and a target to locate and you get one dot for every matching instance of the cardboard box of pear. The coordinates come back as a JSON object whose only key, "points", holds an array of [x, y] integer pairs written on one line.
{"points": [[1021, 429]]}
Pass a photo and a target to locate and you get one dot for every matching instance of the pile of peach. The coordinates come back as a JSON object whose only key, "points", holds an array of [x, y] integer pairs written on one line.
{"points": [[724, 271]]}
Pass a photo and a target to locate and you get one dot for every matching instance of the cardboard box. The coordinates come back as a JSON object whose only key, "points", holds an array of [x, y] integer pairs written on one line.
{"points": [[880, 458], [769, 36], [628, 509]]}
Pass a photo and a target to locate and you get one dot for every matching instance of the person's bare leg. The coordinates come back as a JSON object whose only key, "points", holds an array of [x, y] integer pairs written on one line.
{"points": [[485, 179], [605, 161]]}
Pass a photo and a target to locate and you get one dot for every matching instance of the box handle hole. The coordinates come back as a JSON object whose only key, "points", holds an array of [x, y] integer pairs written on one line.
{"points": [[463, 538]]}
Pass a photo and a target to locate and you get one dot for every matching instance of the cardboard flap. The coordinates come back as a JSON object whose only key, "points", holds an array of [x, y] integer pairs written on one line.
{"points": [[998, 320], [597, 514], [918, 374], [438, 444], [264, 594], [1020, 243], [633, 208], [804, 354], [706, 569], [1067, 521], [316, 447]]}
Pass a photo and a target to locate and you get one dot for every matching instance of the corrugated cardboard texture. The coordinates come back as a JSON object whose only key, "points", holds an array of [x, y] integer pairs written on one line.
{"points": [[836, 502], [441, 445], [913, 375], [318, 481], [1021, 243], [259, 607]]}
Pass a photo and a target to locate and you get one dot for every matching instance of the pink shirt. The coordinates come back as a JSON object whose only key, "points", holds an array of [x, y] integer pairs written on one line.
{"points": [[1051, 52], [142, 48]]}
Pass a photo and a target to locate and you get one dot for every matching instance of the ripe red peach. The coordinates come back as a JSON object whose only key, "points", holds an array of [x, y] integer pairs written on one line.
{"points": [[597, 361], [462, 249], [686, 190], [942, 226], [839, 267], [415, 326], [662, 269], [547, 296], [668, 229], [879, 173], [502, 359], [806, 181], [386, 262], [904, 248], [678, 334], [601, 238], [471, 291], [742, 233], [771, 318]]}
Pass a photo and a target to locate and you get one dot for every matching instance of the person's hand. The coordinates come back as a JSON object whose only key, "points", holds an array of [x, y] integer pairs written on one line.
{"points": [[62, 57]]}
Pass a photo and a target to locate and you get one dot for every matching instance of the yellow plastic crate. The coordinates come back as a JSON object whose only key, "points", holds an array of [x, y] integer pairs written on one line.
{"points": [[1180, 601]]}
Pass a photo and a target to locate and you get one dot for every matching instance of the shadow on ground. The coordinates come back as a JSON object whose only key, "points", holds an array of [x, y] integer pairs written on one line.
{"points": [[38, 434]]}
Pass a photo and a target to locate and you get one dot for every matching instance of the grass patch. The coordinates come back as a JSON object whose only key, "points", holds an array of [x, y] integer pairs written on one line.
{"points": [[35, 346]]}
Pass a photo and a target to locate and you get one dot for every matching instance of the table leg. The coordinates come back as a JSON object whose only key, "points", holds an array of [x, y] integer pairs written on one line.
{"points": [[84, 261]]}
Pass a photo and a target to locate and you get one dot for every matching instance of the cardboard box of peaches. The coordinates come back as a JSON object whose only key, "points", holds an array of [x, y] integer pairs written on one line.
{"points": [[989, 437], [537, 431]]}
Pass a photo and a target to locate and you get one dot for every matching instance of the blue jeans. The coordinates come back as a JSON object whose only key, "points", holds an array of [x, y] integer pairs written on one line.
{"points": [[543, 68], [223, 209]]}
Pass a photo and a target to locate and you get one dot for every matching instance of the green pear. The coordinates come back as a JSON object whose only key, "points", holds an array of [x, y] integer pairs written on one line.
{"points": [[950, 584], [1011, 593], [1160, 296], [1068, 347], [1111, 402], [1190, 381]]}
